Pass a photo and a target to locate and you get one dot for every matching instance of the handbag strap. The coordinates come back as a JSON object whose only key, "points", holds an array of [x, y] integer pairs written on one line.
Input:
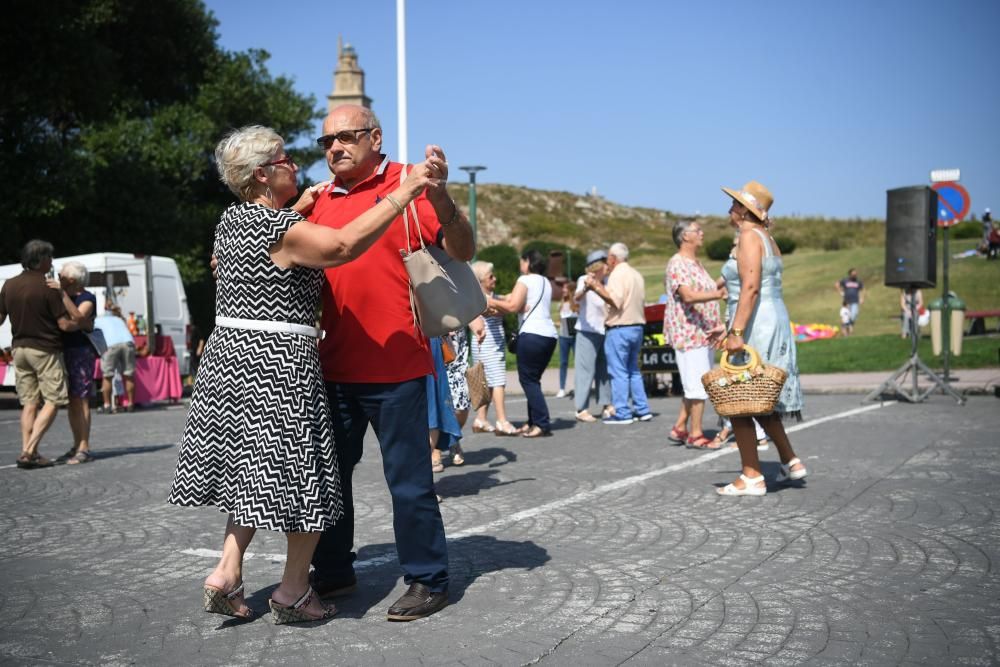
{"points": [[406, 220], [540, 297]]}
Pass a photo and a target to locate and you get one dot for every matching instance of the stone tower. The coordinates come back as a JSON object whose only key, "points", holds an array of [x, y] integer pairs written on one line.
{"points": [[348, 79]]}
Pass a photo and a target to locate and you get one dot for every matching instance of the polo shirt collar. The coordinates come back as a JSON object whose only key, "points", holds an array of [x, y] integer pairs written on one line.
{"points": [[337, 188]]}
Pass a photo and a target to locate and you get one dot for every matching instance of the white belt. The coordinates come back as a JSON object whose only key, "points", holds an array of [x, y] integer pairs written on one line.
{"points": [[270, 325]]}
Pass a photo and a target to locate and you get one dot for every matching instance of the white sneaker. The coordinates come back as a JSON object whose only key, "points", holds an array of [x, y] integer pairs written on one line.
{"points": [[561, 394]]}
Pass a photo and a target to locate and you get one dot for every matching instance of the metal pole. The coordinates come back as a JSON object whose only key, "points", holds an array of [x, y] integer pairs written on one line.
{"points": [[946, 315], [150, 318], [472, 170], [401, 76]]}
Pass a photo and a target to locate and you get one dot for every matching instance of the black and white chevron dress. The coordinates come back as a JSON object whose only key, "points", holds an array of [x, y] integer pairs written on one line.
{"points": [[258, 442]]}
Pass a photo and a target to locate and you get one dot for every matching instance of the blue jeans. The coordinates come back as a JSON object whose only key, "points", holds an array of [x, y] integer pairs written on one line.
{"points": [[398, 413], [533, 354], [565, 347], [590, 367], [621, 346], [853, 308]]}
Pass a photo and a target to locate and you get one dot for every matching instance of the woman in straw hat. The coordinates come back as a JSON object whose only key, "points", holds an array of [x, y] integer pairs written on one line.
{"points": [[758, 318]]}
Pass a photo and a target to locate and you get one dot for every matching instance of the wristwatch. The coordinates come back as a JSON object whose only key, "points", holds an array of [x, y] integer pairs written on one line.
{"points": [[736, 332]]}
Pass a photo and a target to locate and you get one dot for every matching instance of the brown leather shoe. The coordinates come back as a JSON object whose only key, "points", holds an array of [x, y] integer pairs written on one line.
{"points": [[417, 602]]}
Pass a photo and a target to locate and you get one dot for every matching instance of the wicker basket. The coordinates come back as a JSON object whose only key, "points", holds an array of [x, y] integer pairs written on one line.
{"points": [[744, 391]]}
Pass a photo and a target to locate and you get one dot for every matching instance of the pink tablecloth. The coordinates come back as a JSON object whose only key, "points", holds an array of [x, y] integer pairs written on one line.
{"points": [[156, 379]]}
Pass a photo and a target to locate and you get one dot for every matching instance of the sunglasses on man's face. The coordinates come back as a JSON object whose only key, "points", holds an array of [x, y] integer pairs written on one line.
{"points": [[344, 137]]}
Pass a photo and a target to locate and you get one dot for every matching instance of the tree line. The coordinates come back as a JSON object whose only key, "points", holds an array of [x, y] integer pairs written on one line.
{"points": [[109, 114]]}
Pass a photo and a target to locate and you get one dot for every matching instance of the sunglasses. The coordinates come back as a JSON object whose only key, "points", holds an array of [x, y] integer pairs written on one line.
{"points": [[285, 160], [345, 137]]}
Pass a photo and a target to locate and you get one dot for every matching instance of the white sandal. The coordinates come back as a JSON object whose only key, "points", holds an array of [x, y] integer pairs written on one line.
{"points": [[786, 474], [750, 487]]}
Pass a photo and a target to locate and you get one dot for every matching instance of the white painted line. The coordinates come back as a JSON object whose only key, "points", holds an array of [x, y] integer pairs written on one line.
{"points": [[12, 465], [572, 500]]}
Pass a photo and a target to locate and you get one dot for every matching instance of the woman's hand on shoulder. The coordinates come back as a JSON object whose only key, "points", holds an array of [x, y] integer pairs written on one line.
{"points": [[304, 205]]}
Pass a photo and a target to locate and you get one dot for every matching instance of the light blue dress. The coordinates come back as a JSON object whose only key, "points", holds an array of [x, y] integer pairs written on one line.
{"points": [[769, 330]]}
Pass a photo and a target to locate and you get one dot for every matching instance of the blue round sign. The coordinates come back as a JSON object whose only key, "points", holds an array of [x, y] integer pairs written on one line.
{"points": [[953, 203]]}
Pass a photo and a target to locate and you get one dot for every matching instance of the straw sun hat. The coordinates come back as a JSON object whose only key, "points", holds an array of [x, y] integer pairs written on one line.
{"points": [[755, 197]]}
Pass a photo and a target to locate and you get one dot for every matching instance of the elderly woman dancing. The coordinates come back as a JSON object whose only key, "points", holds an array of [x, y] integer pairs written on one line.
{"points": [[758, 318], [258, 442], [689, 316]]}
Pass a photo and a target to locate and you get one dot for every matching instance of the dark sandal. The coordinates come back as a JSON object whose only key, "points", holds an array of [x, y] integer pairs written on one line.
{"points": [[217, 601], [297, 613], [26, 462], [80, 457]]}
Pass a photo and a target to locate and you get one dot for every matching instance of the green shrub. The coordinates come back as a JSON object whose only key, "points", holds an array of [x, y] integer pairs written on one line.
{"points": [[967, 230], [719, 248], [505, 265], [785, 244]]}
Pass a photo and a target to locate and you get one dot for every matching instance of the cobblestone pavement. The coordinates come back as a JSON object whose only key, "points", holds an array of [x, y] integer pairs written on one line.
{"points": [[599, 546]]}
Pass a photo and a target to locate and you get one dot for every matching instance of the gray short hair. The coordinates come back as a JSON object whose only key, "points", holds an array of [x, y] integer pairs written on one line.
{"points": [[680, 227], [35, 252], [76, 272], [482, 269], [619, 250], [243, 150]]}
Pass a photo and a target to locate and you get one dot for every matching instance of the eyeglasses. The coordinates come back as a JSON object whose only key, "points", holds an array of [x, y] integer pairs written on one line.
{"points": [[285, 160], [345, 137]]}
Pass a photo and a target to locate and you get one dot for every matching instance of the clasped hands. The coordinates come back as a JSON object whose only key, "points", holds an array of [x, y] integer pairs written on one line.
{"points": [[720, 339]]}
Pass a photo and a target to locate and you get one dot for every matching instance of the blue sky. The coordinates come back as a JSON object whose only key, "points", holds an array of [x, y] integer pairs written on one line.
{"points": [[658, 103]]}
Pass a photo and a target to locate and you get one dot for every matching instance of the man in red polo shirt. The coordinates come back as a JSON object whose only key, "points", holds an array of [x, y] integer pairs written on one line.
{"points": [[375, 360]]}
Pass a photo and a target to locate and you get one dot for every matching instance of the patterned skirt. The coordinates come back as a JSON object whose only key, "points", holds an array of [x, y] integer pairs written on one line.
{"points": [[258, 442]]}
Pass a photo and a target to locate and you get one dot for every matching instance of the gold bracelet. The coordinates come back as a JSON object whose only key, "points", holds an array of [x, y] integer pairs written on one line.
{"points": [[395, 204], [736, 332]]}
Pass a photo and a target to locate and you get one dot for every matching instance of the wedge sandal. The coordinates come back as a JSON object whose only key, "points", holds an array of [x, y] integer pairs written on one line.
{"points": [[217, 601], [297, 613]]}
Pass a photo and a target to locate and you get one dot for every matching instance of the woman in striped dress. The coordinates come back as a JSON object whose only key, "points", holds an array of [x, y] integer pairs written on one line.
{"points": [[490, 349]]}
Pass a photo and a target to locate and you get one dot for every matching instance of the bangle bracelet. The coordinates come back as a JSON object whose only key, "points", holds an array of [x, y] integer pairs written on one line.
{"points": [[454, 216], [395, 204]]}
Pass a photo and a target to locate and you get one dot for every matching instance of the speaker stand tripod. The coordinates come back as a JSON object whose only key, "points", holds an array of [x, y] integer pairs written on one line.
{"points": [[895, 384]]}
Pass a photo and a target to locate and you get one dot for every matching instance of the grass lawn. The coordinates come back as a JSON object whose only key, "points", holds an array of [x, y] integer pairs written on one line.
{"points": [[888, 352]]}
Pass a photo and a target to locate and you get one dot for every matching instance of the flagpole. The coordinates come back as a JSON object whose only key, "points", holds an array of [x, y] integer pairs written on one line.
{"points": [[401, 76]]}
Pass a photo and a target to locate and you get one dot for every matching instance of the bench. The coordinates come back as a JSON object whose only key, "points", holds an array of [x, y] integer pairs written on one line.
{"points": [[978, 319]]}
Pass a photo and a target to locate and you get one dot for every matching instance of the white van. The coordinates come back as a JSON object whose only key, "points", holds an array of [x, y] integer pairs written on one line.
{"points": [[169, 300]]}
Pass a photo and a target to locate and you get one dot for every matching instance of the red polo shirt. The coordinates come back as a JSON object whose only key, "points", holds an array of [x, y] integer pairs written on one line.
{"points": [[370, 335]]}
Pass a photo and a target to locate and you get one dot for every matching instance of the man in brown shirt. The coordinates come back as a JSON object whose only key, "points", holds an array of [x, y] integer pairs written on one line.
{"points": [[624, 296], [38, 314]]}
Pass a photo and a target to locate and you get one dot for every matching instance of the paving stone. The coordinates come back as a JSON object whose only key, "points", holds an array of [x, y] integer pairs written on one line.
{"points": [[893, 559]]}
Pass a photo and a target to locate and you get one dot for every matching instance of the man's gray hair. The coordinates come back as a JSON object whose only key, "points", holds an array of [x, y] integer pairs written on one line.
{"points": [[680, 227], [240, 152], [619, 250], [35, 252], [482, 269], [76, 272], [370, 119]]}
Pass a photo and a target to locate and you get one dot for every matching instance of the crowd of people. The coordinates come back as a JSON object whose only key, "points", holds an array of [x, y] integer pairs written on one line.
{"points": [[57, 338], [281, 406]]}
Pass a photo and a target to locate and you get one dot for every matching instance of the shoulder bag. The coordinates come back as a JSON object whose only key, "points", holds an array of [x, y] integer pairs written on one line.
{"points": [[444, 292], [96, 338], [512, 338]]}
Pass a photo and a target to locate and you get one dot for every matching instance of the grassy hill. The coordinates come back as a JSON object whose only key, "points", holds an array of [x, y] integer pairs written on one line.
{"points": [[826, 248]]}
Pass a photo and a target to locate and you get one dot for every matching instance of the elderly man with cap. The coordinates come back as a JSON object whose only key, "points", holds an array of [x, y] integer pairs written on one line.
{"points": [[590, 364], [624, 295]]}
